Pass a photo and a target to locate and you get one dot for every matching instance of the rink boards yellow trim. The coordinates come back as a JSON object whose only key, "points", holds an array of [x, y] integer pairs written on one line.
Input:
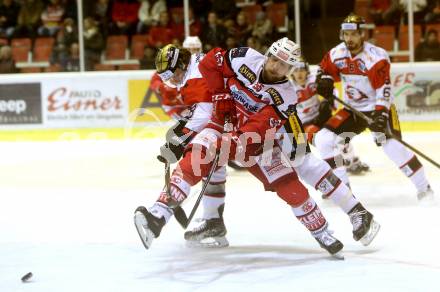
{"points": [[142, 133]]}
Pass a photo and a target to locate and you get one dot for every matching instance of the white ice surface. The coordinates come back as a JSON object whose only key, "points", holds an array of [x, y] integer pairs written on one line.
{"points": [[66, 215]]}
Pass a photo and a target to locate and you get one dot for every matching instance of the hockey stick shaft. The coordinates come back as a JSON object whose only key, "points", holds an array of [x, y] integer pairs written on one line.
{"points": [[208, 178], [390, 134], [179, 213]]}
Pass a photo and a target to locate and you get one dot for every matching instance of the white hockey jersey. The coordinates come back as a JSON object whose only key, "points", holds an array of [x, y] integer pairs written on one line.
{"points": [[308, 100], [247, 64], [365, 77]]}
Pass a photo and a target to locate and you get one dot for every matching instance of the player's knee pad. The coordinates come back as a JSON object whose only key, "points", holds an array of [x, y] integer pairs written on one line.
{"points": [[192, 168], [312, 169], [398, 153], [411, 167], [216, 190], [292, 191], [328, 184], [325, 143]]}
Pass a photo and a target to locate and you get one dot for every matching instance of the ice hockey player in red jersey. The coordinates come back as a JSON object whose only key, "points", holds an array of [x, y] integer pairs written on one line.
{"points": [[252, 90], [314, 112], [364, 70]]}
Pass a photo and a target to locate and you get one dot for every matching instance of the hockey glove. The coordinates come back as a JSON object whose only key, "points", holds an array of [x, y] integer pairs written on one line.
{"points": [[325, 112], [177, 138], [325, 86], [224, 107], [380, 121]]}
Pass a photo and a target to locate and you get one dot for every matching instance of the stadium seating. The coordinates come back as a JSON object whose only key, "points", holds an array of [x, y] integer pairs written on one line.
{"points": [[53, 68], [251, 12], [138, 43], [129, 67], [20, 49], [30, 70], [42, 49], [116, 47], [277, 13], [384, 36], [403, 36], [104, 67]]}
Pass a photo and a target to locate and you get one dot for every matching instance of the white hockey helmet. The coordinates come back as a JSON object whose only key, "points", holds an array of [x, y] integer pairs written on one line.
{"points": [[192, 42], [302, 64], [285, 50]]}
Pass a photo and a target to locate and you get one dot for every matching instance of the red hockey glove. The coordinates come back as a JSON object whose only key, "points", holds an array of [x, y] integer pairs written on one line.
{"points": [[224, 107]]}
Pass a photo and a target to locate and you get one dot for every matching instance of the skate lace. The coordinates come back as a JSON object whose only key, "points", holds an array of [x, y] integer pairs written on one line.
{"points": [[203, 224], [356, 218], [326, 237]]}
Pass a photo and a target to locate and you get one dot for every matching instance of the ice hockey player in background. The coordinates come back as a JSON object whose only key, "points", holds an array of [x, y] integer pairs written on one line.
{"points": [[169, 96], [314, 112], [258, 98], [364, 70]]}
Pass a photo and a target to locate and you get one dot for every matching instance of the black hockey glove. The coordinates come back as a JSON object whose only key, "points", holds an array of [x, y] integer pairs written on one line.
{"points": [[380, 121], [325, 112], [177, 140], [325, 86]]}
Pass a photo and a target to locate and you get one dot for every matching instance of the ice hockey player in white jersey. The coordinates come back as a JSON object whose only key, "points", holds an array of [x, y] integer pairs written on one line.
{"points": [[314, 112], [364, 70]]}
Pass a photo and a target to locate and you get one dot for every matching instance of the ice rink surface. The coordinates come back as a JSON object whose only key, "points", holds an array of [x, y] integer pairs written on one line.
{"points": [[66, 216]]}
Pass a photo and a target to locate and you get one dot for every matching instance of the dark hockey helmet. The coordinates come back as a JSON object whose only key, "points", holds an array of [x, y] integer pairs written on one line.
{"points": [[352, 22], [169, 58]]}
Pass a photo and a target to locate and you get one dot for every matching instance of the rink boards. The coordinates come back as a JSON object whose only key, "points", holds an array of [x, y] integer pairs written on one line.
{"points": [[118, 105]]}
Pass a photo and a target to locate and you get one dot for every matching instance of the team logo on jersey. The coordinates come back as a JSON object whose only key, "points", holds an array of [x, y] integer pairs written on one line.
{"points": [[219, 59], [307, 207], [275, 95], [361, 66], [238, 52], [273, 123], [355, 94], [247, 73], [342, 63]]}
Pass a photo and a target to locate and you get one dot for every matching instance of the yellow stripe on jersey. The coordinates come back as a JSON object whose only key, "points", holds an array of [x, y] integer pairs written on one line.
{"points": [[395, 124], [297, 130]]}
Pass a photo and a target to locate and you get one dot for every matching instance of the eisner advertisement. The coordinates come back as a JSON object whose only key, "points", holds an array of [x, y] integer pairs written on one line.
{"points": [[417, 91], [91, 102], [20, 104]]}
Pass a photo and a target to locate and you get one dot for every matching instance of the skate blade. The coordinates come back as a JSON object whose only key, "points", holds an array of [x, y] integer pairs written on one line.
{"points": [[338, 256], [145, 234], [428, 200], [209, 242], [371, 234]]}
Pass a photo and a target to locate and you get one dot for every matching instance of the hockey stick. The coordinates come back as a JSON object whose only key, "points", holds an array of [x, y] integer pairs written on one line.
{"points": [[179, 213], [389, 133]]}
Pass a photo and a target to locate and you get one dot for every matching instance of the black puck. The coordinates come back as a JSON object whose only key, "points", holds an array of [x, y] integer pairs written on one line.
{"points": [[26, 277]]}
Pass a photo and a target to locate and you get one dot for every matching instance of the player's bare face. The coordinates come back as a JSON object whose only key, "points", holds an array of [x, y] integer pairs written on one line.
{"points": [[275, 70], [353, 40], [300, 76]]}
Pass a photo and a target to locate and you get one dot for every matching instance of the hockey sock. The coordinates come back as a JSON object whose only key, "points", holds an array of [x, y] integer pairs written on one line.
{"points": [[310, 215]]}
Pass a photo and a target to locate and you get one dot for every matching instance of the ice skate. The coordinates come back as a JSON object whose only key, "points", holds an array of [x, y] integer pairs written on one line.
{"points": [[426, 197], [330, 243], [357, 167], [209, 233], [365, 228], [147, 225]]}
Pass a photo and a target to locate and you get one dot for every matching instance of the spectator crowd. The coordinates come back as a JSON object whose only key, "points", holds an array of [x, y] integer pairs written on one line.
{"points": [[217, 23]]}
